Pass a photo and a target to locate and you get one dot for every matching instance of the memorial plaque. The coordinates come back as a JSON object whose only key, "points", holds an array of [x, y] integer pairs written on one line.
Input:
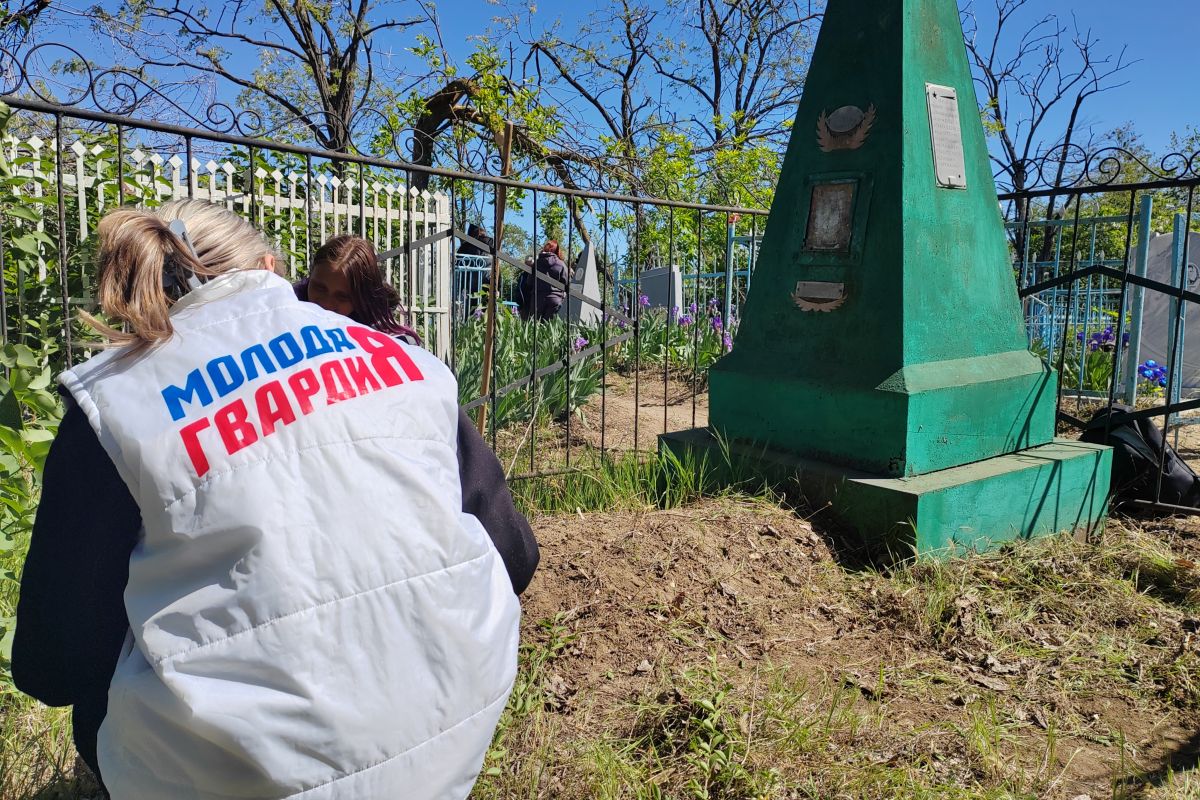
{"points": [[946, 129], [830, 216]]}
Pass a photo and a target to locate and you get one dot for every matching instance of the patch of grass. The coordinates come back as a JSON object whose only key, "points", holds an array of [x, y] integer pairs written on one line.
{"points": [[689, 740], [633, 482], [37, 757], [524, 726], [1183, 785]]}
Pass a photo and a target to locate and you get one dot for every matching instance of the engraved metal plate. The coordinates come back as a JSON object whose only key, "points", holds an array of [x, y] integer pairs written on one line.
{"points": [[946, 128], [819, 295], [830, 216]]}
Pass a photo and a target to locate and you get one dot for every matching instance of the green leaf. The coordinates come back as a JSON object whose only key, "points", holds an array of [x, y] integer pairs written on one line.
{"points": [[26, 357], [45, 403], [37, 453], [41, 381], [10, 410], [10, 440], [6, 642], [26, 244], [23, 212], [35, 435]]}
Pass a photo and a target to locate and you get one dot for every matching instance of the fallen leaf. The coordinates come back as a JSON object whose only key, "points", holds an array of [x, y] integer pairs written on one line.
{"points": [[645, 666], [870, 689], [992, 665], [988, 682]]}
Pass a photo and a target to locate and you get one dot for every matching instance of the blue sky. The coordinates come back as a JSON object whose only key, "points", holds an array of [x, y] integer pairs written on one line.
{"points": [[1163, 91], [1162, 94]]}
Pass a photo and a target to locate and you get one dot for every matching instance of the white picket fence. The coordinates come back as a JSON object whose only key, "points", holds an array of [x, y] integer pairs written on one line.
{"points": [[387, 213]]}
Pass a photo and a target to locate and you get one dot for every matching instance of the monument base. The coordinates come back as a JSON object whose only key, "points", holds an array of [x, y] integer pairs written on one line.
{"points": [[1060, 486]]}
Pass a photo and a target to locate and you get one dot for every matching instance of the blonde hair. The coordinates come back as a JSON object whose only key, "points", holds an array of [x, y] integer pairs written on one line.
{"points": [[135, 245]]}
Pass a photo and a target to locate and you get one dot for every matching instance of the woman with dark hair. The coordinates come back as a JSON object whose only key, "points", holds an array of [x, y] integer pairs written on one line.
{"points": [[541, 300], [346, 279]]}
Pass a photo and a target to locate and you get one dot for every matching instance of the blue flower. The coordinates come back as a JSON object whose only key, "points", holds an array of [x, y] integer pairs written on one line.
{"points": [[716, 324], [727, 340], [478, 313], [692, 309], [685, 320], [580, 343], [644, 301]]}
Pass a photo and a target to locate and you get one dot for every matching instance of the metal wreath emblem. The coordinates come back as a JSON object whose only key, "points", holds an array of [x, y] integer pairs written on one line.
{"points": [[846, 128]]}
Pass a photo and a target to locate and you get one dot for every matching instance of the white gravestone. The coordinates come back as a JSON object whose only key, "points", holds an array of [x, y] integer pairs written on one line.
{"points": [[584, 281]]}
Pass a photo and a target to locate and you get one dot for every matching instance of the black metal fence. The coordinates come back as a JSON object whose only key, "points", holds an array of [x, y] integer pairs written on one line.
{"points": [[1106, 270], [599, 377]]}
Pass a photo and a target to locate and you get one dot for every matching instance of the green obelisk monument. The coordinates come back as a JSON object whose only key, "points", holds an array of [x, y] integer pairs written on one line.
{"points": [[881, 354]]}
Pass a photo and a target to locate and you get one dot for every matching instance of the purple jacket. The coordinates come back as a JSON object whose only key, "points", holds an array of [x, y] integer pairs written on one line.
{"points": [[548, 298]]}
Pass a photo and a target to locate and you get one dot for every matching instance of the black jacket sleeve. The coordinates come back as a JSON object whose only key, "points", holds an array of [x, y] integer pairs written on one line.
{"points": [[486, 496], [71, 619]]}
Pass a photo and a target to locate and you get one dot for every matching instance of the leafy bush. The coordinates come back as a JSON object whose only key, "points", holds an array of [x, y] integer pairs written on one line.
{"points": [[29, 416], [520, 349], [692, 340]]}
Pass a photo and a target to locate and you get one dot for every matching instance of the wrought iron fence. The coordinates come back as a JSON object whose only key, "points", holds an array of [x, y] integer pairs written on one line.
{"points": [[1105, 267], [598, 378]]}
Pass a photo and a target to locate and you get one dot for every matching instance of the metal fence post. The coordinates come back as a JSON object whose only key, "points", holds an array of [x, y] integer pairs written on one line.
{"points": [[730, 224], [1179, 276], [1133, 358]]}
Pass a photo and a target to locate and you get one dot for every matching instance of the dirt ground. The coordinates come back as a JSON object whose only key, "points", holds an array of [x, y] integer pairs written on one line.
{"points": [[627, 416], [629, 408], [756, 592]]}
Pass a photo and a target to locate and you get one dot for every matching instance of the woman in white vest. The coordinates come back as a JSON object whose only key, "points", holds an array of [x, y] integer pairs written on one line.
{"points": [[319, 574]]}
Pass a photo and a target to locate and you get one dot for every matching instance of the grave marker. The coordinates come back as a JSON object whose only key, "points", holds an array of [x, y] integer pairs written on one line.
{"points": [[881, 355]]}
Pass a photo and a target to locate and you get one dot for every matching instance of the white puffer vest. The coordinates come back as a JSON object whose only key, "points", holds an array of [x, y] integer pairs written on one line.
{"points": [[312, 614]]}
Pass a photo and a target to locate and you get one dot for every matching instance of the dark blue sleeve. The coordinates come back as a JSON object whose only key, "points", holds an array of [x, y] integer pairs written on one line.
{"points": [[485, 495], [71, 619]]}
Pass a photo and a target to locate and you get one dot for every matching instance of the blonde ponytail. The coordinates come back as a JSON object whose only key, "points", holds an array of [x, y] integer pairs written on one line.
{"points": [[136, 245]]}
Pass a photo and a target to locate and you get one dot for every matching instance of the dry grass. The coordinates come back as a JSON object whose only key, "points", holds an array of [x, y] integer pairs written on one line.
{"points": [[721, 652]]}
